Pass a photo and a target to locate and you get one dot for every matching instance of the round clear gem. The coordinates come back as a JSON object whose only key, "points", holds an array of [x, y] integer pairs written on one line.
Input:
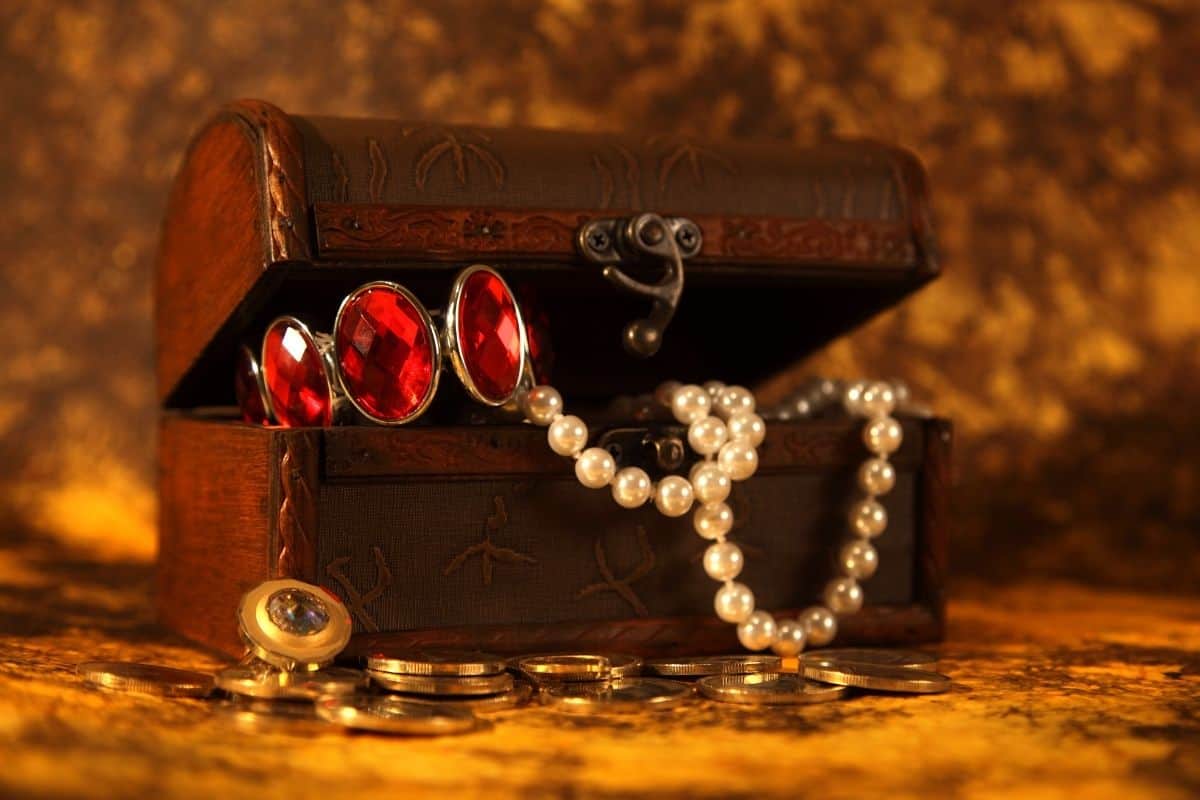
{"points": [[297, 612]]}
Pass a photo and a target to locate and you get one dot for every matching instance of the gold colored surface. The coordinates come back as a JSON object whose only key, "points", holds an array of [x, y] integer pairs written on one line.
{"points": [[1057, 691], [1062, 140]]}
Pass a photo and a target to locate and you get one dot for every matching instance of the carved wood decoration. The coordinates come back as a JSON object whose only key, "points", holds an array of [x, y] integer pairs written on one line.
{"points": [[381, 231], [622, 586], [357, 601], [296, 514], [283, 177]]}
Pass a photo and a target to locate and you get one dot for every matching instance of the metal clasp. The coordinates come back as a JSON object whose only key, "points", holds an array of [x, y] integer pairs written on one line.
{"points": [[621, 241], [661, 451]]}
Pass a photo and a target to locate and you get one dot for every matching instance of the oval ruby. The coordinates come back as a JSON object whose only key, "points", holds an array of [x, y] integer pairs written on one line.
{"points": [[385, 353], [489, 335], [249, 392], [294, 374]]}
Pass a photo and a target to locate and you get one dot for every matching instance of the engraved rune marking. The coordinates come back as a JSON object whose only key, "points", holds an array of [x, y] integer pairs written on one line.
{"points": [[455, 144], [343, 177], [486, 550], [622, 586], [379, 170], [358, 602], [687, 152]]}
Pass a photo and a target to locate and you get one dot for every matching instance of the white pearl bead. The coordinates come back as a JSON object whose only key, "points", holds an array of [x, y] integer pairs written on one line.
{"points": [[902, 392], [868, 518], [738, 459], [878, 400], [883, 435], [567, 435], [734, 602], [747, 426], [731, 400], [713, 388], [673, 497], [709, 482], [595, 467], [706, 435], [723, 561], [712, 520], [665, 392], [690, 403], [858, 559], [876, 476], [631, 487], [790, 638], [542, 404], [843, 596], [758, 631], [852, 399], [820, 624]]}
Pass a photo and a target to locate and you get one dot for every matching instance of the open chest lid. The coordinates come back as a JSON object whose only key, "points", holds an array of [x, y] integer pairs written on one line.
{"points": [[273, 213]]}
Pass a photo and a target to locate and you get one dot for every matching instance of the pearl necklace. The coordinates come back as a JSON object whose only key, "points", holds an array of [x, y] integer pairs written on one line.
{"points": [[725, 431]]}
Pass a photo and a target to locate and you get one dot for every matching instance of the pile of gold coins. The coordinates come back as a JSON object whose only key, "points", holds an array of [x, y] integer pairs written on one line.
{"points": [[294, 632]]}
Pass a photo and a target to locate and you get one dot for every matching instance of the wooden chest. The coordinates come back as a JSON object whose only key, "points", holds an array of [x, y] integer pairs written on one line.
{"points": [[460, 530]]}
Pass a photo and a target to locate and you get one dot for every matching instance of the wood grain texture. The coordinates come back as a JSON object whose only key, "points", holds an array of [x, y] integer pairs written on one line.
{"points": [[215, 523], [1059, 691], [388, 232]]}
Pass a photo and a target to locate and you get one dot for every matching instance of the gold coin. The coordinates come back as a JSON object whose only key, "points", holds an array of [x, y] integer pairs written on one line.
{"points": [[252, 679], [876, 677], [294, 625], [383, 714], [566, 667], [443, 684], [520, 694], [623, 666], [767, 689], [437, 662], [125, 676], [327, 681], [620, 696], [874, 655], [699, 666]]}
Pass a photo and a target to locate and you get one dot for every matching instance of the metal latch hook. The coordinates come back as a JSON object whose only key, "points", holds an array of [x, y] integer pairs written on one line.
{"points": [[614, 241]]}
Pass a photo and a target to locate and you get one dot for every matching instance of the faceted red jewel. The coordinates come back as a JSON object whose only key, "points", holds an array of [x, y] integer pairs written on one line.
{"points": [[245, 385], [489, 336], [385, 353], [294, 374]]}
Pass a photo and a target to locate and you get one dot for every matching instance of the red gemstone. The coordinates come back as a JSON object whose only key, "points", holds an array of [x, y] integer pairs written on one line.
{"points": [[248, 390], [385, 353], [489, 336], [294, 374]]}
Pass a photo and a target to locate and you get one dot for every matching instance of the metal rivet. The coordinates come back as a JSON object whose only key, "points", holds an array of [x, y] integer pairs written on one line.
{"points": [[651, 233], [597, 240]]}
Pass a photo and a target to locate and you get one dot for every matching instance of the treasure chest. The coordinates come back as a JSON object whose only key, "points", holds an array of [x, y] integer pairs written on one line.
{"points": [[636, 259]]}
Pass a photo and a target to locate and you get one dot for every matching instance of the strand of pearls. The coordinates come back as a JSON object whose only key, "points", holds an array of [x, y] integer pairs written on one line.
{"points": [[725, 431]]}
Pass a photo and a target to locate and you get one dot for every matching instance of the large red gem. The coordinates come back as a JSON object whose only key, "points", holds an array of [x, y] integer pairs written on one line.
{"points": [[294, 374], [385, 353], [245, 385], [489, 336]]}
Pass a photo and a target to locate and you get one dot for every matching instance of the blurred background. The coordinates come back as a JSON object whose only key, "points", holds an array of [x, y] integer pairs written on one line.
{"points": [[1062, 141]]}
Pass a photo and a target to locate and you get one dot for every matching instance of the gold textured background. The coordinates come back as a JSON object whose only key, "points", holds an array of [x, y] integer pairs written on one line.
{"points": [[1062, 139]]}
